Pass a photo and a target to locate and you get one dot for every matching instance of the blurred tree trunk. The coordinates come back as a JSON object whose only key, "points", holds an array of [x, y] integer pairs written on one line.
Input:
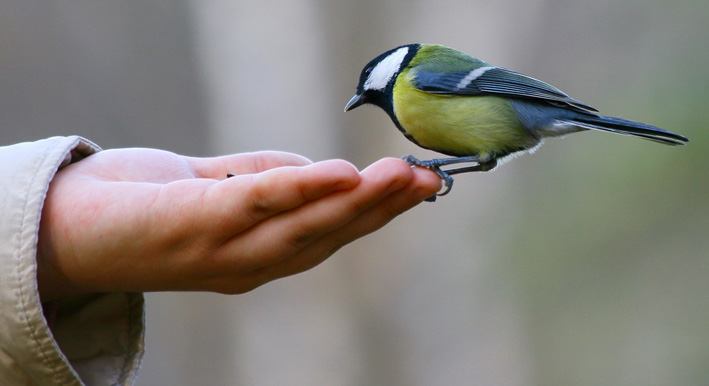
{"points": [[120, 73]]}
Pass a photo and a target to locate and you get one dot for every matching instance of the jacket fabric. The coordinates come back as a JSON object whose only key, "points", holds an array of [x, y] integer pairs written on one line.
{"points": [[92, 339]]}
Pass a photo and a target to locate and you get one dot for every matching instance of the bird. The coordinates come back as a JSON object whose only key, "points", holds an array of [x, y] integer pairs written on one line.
{"points": [[447, 101]]}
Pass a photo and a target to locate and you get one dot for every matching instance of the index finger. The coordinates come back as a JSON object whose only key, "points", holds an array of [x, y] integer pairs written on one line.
{"points": [[244, 163], [245, 200]]}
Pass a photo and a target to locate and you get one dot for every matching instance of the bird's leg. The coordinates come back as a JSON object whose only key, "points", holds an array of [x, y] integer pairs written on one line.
{"points": [[481, 167], [438, 162], [435, 166]]}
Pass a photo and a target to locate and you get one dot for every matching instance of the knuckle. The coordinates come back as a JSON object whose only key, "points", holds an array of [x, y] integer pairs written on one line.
{"points": [[299, 238], [259, 201]]}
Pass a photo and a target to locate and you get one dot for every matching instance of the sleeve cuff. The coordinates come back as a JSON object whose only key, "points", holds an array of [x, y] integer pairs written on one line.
{"points": [[96, 339]]}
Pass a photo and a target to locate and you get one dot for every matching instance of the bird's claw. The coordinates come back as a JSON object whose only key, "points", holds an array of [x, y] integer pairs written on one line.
{"points": [[433, 166]]}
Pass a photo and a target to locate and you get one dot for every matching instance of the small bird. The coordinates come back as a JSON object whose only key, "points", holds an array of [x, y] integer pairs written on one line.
{"points": [[447, 101]]}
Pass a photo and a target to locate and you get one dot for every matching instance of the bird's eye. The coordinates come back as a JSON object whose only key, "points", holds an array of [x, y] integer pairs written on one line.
{"points": [[368, 70]]}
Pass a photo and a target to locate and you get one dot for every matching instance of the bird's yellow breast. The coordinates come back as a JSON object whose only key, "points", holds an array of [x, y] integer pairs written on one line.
{"points": [[458, 125]]}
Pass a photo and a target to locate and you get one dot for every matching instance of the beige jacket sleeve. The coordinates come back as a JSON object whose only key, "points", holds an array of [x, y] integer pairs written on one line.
{"points": [[92, 340]]}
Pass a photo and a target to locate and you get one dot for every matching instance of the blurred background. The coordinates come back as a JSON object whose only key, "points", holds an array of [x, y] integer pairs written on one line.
{"points": [[584, 264]]}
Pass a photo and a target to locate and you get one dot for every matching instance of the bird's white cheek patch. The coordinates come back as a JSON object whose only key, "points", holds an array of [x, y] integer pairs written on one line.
{"points": [[385, 70]]}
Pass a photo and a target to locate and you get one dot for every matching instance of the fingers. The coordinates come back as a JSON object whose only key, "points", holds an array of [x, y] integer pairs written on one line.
{"points": [[287, 220], [299, 240], [279, 237], [245, 200], [244, 163], [423, 184]]}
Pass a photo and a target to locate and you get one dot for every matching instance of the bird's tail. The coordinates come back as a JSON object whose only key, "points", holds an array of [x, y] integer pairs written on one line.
{"points": [[626, 127]]}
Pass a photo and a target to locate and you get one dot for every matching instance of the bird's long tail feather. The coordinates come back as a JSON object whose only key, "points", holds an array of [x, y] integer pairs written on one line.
{"points": [[627, 127]]}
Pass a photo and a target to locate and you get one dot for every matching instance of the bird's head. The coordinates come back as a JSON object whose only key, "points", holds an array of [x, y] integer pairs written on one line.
{"points": [[378, 76]]}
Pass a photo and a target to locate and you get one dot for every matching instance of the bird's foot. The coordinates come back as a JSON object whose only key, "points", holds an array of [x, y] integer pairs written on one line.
{"points": [[435, 166]]}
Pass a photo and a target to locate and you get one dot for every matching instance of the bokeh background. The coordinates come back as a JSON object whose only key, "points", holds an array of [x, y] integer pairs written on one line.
{"points": [[584, 264]]}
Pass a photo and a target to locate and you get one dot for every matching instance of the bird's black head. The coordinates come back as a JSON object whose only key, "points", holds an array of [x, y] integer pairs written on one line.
{"points": [[377, 78]]}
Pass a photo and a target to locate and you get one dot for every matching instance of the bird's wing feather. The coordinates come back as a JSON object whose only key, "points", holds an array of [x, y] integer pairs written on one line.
{"points": [[493, 80]]}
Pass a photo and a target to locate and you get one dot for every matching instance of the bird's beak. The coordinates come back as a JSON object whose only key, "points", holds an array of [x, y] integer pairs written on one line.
{"points": [[356, 101]]}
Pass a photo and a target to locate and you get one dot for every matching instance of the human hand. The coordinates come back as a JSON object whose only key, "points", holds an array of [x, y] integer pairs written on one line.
{"points": [[137, 220]]}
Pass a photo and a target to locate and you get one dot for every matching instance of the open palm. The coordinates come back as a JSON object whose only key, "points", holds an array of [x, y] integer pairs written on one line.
{"points": [[150, 220]]}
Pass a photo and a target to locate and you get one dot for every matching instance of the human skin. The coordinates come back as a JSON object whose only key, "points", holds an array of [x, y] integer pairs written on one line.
{"points": [[138, 220]]}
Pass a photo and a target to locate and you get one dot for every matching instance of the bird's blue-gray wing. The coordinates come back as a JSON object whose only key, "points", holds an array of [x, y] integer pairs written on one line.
{"points": [[493, 80]]}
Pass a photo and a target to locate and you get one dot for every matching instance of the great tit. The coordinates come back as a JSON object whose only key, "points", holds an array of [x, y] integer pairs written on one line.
{"points": [[447, 101]]}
